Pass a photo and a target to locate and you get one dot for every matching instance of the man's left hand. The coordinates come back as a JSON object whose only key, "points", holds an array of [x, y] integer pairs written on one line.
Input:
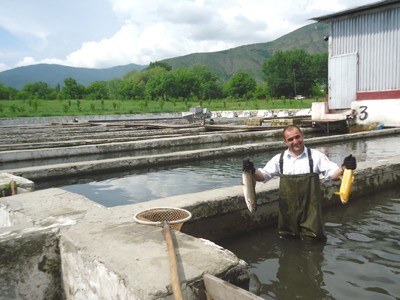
{"points": [[350, 162]]}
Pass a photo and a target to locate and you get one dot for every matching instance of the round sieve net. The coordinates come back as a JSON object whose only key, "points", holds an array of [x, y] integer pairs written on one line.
{"points": [[155, 216]]}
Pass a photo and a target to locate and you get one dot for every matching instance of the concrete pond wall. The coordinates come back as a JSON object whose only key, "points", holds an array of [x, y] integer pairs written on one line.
{"points": [[88, 118], [74, 168], [55, 244]]}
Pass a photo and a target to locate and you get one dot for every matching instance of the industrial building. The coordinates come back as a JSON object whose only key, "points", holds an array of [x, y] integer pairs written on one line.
{"points": [[364, 65]]}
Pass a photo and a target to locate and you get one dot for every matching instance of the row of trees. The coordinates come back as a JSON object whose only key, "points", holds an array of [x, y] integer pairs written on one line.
{"points": [[286, 74], [296, 73]]}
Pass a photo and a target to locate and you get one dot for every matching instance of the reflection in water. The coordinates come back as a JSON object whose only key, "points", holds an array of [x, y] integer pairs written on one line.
{"points": [[361, 259], [299, 270], [281, 268]]}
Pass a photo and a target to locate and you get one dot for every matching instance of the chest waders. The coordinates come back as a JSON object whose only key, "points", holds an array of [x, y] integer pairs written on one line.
{"points": [[300, 204]]}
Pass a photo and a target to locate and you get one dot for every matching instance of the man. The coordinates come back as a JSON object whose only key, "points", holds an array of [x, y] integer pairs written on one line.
{"points": [[299, 189]]}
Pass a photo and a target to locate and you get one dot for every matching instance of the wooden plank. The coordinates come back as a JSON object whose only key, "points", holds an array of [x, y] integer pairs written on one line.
{"points": [[238, 127], [218, 289]]}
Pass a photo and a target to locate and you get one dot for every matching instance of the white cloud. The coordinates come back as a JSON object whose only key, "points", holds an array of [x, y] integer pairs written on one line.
{"points": [[3, 67], [105, 33]]}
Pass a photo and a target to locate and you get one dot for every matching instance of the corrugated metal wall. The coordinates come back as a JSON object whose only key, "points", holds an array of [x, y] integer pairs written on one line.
{"points": [[375, 37]]}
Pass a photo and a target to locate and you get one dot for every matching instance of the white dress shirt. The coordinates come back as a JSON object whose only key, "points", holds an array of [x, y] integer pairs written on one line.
{"points": [[299, 165]]}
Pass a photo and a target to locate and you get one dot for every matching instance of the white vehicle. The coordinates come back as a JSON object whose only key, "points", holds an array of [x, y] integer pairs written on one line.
{"points": [[299, 97]]}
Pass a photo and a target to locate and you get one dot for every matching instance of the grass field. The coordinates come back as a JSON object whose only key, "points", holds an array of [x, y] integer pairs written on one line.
{"points": [[47, 108]]}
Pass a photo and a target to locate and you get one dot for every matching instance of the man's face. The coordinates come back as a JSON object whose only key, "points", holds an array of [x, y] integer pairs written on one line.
{"points": [[294, 139]]}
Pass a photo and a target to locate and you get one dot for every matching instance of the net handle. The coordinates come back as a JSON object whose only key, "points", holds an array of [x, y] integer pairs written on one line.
{"points": [[189, 216]]}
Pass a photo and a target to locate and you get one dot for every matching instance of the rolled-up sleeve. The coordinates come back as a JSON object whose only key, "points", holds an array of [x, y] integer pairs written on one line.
{"points": [[271, 169], [326, 166]]}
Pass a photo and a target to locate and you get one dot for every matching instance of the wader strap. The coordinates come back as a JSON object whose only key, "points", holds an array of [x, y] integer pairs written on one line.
{"points": [[281, 162], [310, 161]]}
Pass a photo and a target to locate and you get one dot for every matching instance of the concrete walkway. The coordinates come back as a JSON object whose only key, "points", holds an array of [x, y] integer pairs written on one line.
{"points": [[97, 253]]}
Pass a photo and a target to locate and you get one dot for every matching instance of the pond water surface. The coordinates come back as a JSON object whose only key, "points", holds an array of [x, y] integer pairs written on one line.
{"points": [[361, 259], [154, 183]]}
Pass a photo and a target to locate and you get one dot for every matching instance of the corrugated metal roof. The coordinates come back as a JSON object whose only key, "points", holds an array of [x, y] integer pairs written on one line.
{"points": [[358, 9]]}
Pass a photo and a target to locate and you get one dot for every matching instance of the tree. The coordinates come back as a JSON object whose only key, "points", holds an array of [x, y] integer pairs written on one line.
{"points": [[131, 74], [6, 93], [131, 89], [72, 90], [161, 85], [210, 85], [161, 64], [114, 88], [186, 83], [37, 90], [240, 85], [320, 72], [138, 82], [289, 73], [262, 91], [98, 90], [143, 77]]}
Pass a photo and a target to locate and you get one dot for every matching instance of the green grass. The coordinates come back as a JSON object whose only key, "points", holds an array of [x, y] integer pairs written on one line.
{"points": [[47, 108]]}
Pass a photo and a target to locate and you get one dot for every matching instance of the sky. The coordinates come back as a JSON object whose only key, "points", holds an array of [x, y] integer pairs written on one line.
{"points": [[108, 33]]}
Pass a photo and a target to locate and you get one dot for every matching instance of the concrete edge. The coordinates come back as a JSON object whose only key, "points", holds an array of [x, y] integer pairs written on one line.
{"points": [[40, 173]]}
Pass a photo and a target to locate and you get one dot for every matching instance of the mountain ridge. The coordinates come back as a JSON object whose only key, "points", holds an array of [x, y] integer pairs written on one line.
{"points": [[54, 74], [249, 58], [246, 58]]}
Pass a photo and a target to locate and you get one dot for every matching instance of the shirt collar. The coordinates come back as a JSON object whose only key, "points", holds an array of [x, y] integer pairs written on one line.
{"points": [[290, 155]]}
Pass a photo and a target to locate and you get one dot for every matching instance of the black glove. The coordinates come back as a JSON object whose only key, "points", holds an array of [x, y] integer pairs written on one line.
{"points": [[350, 162], [248, 166]]}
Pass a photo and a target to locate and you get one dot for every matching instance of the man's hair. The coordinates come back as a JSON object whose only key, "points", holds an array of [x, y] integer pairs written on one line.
{"points": [[290, 127]]}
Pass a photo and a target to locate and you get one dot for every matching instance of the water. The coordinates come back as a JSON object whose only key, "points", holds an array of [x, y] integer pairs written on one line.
{"points": [[361, 259], [108, 155], [144, 185]]}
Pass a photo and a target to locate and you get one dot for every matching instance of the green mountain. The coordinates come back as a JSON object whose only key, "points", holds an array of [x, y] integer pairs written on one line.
{"points": [[55, 74], [248, 58]]}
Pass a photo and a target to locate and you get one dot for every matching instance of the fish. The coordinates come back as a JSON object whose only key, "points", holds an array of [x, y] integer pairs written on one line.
{"points": [[249, 190], [345, 186]]}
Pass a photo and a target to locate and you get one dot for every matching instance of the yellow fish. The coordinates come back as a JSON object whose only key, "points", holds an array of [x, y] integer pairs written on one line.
{"points": [[345, 186]]}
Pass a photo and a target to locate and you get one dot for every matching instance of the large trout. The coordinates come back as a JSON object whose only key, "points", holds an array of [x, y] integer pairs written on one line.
{"points": [[345, 186], [249, 189]]}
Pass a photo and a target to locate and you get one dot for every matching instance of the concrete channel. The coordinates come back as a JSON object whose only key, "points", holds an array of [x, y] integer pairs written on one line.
{"points": [[131, 162], [60, 245]]}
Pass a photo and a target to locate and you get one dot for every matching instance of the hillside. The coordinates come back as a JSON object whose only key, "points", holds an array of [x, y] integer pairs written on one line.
{"points": [[55, 74], [248, 58]]}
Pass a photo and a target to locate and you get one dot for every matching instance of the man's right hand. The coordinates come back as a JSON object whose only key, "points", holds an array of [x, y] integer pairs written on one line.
{"points": [[248, 166]]}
